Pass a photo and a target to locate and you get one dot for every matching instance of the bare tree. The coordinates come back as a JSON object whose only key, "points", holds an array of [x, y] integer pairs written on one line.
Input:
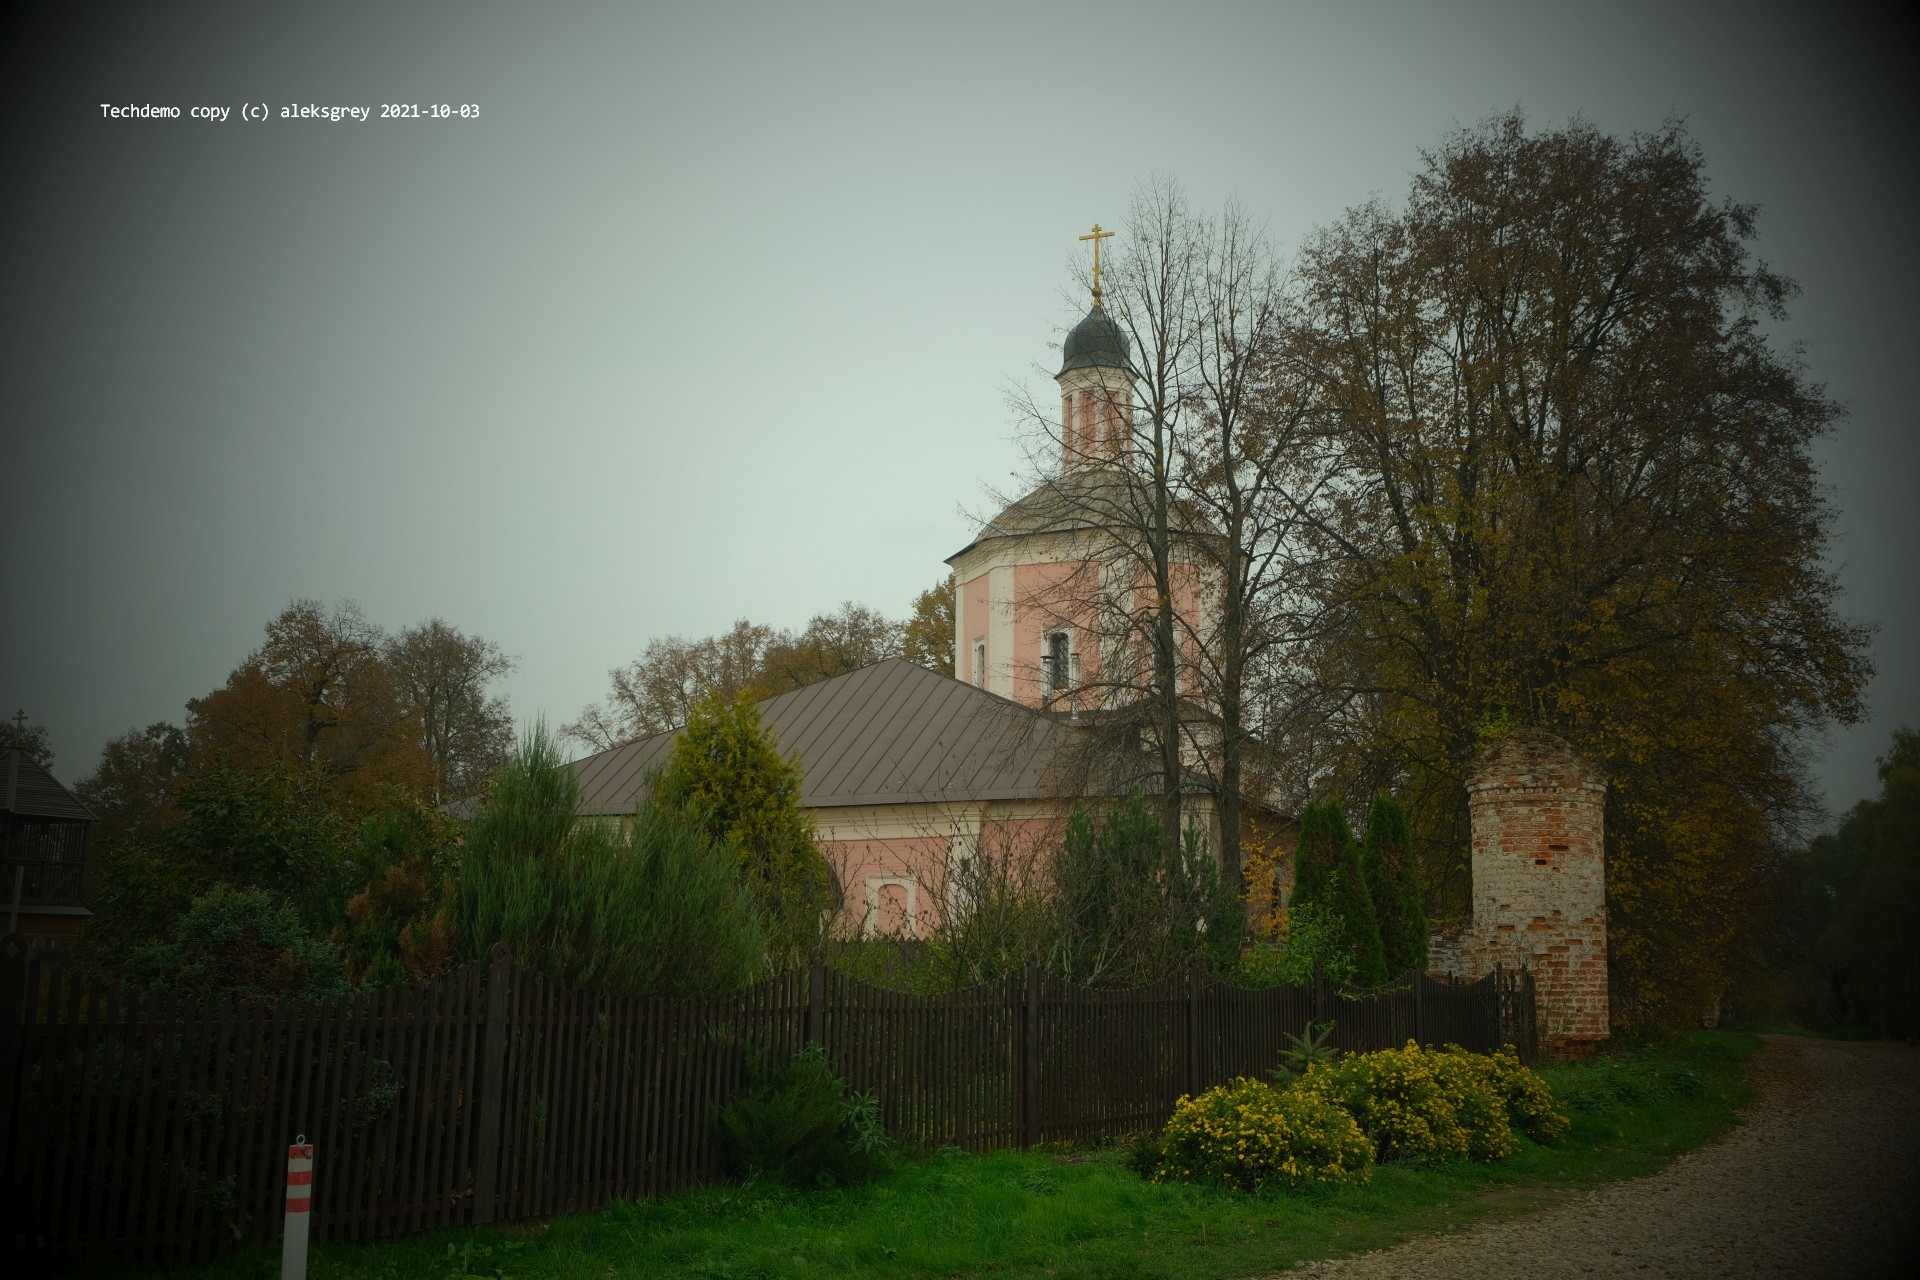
{"points": [[656, 692], [444, 677], [1191, 506]]}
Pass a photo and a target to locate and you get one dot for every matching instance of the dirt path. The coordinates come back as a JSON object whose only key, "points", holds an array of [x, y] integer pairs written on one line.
{"points": [[1820, 1178]]}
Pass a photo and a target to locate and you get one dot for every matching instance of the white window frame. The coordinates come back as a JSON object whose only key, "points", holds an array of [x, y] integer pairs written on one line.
{"points": [[870, 927]]}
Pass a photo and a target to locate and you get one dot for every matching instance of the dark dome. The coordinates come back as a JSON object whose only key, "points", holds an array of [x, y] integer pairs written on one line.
{"points": [[1096, 341]]}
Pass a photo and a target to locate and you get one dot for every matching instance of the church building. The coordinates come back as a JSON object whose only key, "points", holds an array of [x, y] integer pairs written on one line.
{"points": [[910, 774]]}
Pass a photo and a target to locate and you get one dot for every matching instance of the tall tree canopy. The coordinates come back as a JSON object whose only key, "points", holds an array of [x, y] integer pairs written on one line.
{"points": [[658, 691], [31, 739], [1572, 485], [329, 690]]}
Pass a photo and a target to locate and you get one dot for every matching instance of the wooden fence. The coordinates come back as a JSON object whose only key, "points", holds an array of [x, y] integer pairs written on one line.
{"points": [[147, 1127]]}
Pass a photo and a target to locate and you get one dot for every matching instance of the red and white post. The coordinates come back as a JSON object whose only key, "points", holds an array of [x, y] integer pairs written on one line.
{"points": [[293, 1250]]}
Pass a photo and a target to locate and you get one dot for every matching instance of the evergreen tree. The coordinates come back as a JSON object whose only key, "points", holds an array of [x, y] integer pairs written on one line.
{"points": [[648, 905], [1388, 865], [727, 771], [1329, 880], [1132, 904]]}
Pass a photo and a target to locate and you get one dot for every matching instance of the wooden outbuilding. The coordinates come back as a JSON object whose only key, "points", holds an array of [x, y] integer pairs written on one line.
{"points": [[43, 851]]}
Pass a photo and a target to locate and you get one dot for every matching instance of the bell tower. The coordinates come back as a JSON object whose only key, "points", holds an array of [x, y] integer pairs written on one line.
{"points": [[1096, 383], [1031, 588]]}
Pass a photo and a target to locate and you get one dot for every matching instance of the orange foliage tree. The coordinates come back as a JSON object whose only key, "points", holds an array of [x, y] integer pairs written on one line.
{"points": [[1570, 484]]}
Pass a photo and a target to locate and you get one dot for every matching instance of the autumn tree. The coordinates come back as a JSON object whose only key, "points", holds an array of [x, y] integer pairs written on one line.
{"points": [[658, 691], [926, 638], [444, 677], [831, 644], [1572, 486], [31, 739], [131, 790], [317, 695]]}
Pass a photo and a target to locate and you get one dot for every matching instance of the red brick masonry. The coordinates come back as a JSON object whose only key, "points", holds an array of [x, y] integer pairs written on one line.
{"points": [[1539, 882]]}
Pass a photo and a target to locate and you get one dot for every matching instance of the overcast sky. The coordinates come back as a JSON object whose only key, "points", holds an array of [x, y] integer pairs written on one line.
{"points": [[713, 310]]}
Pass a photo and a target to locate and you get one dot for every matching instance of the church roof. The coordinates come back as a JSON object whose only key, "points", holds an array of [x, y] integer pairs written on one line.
{"points": [[1108, 497], [1096, 341], [28, 789], [891, 733]]}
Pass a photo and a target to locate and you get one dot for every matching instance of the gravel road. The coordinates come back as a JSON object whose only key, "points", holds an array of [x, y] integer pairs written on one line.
{"points": [[1819, 1179]]}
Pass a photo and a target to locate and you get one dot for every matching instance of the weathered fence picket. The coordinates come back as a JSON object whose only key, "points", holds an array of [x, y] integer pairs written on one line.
{"points": [[147, 1127]]}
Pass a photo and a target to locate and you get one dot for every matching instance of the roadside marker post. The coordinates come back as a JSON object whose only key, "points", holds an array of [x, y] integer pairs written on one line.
{"points": [[293, 1250]]}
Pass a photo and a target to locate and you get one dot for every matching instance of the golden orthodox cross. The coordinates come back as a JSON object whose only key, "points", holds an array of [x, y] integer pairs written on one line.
{"points": [[1097, 235]]}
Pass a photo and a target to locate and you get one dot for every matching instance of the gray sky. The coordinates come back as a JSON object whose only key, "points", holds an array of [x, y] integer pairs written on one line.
{"points": [[714, 309]]}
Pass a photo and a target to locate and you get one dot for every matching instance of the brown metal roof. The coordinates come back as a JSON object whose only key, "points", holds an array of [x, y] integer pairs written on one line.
{"points": [[1108, 498], [891, 733], [27, 788]]}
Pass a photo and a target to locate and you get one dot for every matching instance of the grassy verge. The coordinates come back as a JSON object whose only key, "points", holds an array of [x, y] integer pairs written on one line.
{"points": [[1077, 1214]]}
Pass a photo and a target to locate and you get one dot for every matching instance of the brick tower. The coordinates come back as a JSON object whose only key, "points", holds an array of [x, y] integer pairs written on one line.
{"points": [[1539, 882]]}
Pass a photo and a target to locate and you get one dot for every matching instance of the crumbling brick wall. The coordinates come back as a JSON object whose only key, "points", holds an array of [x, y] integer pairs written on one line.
{"points": [[1539, 884]]}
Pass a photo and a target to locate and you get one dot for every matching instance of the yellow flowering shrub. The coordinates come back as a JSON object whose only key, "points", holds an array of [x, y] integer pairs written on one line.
{"points": [[1531, 1106], [1423, 1107], [1249, 1135]]}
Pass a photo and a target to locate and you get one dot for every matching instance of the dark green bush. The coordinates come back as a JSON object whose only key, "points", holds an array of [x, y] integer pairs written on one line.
{"points": [[240, 944], [797, 1124], [1622, 1082]]}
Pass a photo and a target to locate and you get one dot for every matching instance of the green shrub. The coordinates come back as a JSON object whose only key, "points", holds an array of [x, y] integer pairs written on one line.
{"points": [[240, 944], [726, 774], [1329, 877], [1422, 1107], [798, 1125], [1250, 1135], [1312, 1047], [1614, 1083]]}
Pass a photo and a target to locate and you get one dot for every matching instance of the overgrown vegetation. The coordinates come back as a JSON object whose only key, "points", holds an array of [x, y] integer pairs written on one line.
{"points": [[1393, 886], [646, 905], [798, 1125], [1132, 903], [1330, 882], [1844, 955], [241, 945]]}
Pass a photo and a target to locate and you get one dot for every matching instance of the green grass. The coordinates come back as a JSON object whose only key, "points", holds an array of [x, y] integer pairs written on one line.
{"points": [[1075, 1214]]}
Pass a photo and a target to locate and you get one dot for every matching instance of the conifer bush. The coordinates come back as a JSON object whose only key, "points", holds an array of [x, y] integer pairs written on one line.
{"points": [[1394, 887], [797, 1124], [1329, 878], [1249, 1135], [648, 905], [726, 774]]}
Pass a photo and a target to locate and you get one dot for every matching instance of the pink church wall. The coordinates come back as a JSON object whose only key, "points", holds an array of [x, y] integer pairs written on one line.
{"points": [[975, 621], [922, 857], [1019, 847], [1046, 597]]}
